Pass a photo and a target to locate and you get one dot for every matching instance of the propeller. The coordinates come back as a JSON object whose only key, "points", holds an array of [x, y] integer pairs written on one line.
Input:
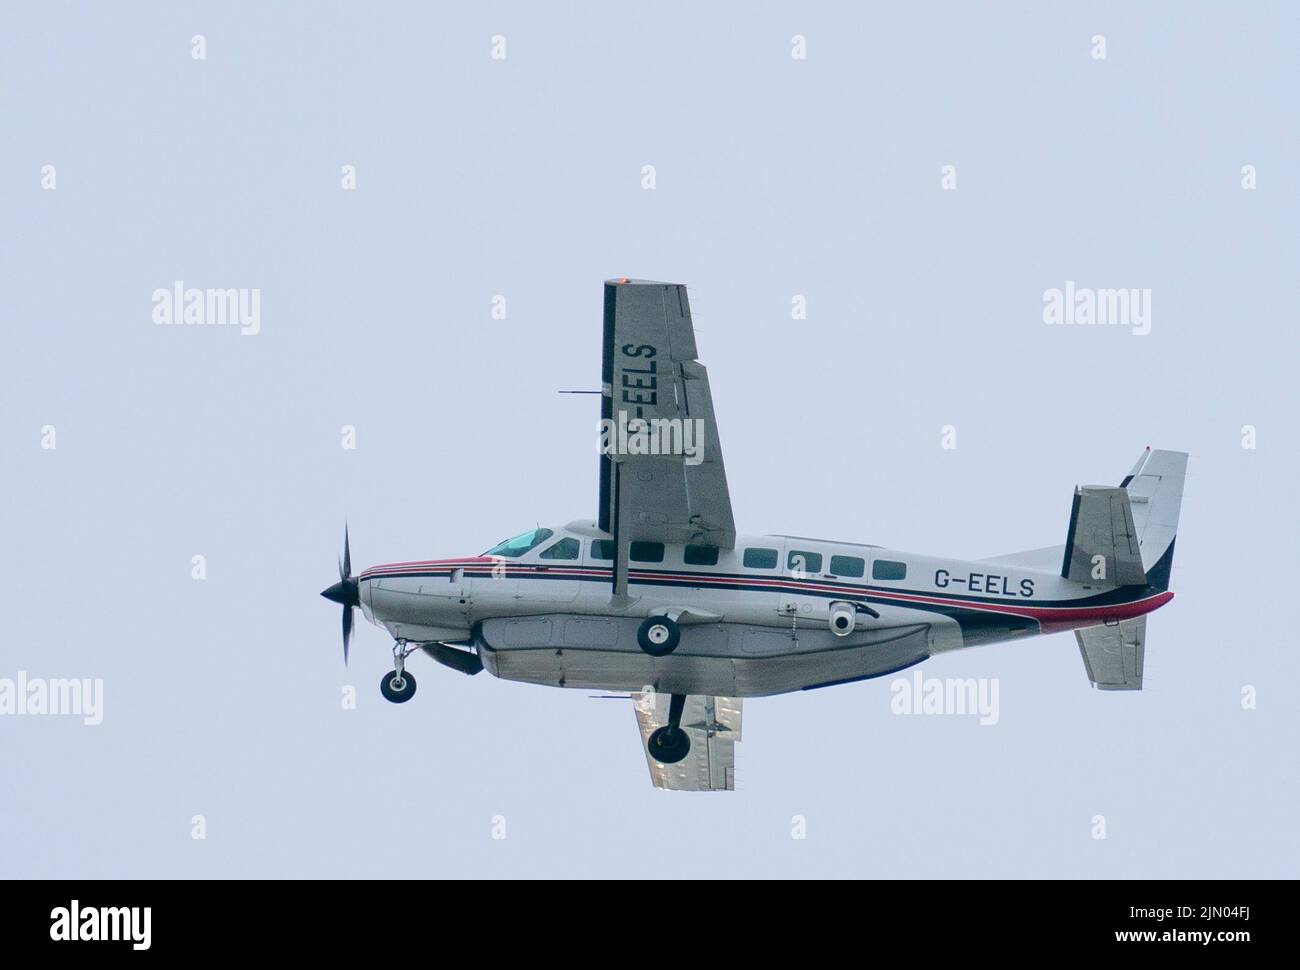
{"points": [[346, 592]]}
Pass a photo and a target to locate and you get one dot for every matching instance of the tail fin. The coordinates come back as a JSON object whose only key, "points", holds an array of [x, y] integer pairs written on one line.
{"points": [[1155, 492], [1102, 544], [1125, 535], [1149, 498]]}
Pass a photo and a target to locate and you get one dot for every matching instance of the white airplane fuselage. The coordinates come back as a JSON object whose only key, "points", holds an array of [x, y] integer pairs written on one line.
{"points": [[746, 630], [660, 595]]}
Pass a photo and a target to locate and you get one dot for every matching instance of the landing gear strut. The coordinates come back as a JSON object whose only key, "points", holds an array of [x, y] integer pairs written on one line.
{"points": [[670, 744], [398, 685]]}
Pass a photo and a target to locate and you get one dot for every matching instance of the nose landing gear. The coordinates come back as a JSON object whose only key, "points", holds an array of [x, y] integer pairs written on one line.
{"points": [[398, 686]]}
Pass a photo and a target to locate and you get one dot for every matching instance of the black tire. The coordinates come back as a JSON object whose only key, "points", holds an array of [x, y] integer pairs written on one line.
{"points": [[668, 745], [397, 694], [659, 636]]}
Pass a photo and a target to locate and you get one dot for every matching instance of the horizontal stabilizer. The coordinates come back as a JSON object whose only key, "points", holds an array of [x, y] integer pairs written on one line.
{"points": [[1113, 656], [1102, 544]]}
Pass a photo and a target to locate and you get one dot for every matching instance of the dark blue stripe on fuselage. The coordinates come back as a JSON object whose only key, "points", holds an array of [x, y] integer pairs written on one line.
{"points": [[726, 581]]}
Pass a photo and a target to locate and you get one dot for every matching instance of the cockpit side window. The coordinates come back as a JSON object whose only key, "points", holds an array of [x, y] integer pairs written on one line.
{"points": [[520, 544], [564, 549]]}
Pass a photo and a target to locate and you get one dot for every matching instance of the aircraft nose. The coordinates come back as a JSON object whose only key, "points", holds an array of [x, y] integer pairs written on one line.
{"points": [[344, 592]]}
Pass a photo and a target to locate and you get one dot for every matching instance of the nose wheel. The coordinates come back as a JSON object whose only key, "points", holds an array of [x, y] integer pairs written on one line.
{"points": [[398, 688], [398, 685], [670, 744]]}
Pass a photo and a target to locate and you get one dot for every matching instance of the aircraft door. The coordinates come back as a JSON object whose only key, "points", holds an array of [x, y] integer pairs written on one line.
{"points": [[597, 565], [552, 573], [802, 566]]}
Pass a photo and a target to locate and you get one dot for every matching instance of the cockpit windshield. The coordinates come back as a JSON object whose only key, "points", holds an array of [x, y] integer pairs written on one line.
{"points": [[520, 544]]}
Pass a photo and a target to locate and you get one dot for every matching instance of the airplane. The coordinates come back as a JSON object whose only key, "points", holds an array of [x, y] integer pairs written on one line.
{"points": [[660, 599]]}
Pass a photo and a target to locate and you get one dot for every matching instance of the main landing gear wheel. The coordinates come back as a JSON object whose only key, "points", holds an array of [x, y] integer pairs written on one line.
{"points": [[670, 744], [659, 636], [397, 687]]}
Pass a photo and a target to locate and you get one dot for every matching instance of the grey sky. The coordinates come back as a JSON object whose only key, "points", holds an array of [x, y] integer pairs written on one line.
{"points": [[522, 177]]}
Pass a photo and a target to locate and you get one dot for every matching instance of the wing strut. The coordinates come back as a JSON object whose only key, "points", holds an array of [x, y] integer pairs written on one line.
{"points": [[621, 542]]}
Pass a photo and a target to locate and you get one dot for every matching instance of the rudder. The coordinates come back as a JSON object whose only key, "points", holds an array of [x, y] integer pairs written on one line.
{"points": [[1155, 491]]}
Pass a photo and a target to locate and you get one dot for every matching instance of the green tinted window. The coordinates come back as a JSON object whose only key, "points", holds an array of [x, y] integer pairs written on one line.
{"points": [[700, 556], [850, 566], [646, 552], [564, 549], [760, 558], [602, 549], [520, 544], [805, 562], [886, 569]]}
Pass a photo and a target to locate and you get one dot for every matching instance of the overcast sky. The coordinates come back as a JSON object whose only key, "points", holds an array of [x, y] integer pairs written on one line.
{"points": [[775, 176]]}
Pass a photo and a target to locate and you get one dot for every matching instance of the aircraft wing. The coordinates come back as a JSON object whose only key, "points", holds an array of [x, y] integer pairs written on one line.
{"points": [[1113, 656], [649, 373], [713, 725]]}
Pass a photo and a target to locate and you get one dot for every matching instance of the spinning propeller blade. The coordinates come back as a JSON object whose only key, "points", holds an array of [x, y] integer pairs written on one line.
{"points": [[346, 592]]}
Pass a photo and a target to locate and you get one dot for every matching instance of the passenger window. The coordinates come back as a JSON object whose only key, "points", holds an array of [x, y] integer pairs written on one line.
{"points": [[701, 556], [602, 549], [850, 566], [564, 549], [760, 559], [646, 552], [886, 569], [805, 562]]}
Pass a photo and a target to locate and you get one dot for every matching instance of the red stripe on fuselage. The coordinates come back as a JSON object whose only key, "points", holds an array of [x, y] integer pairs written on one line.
{"points": [[1050, 618]]}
